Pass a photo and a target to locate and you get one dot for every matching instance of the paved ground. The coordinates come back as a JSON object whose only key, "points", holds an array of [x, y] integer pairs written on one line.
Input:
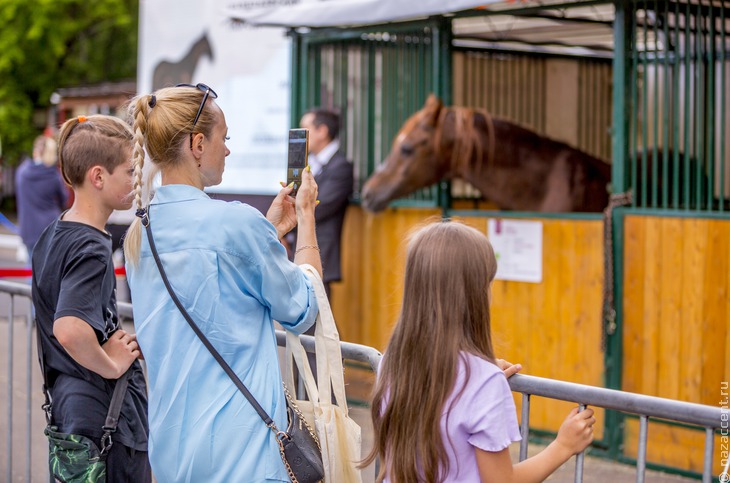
{"points": [[25, 418]]}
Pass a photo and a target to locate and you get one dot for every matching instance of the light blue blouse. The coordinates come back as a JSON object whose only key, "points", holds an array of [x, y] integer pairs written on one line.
{"points": [[227, 267]]}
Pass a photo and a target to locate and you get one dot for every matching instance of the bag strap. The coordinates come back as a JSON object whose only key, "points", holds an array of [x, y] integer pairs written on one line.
{"points": [[232, 375], [41, 360], [327, 346], [330, 375], [115, 406]]}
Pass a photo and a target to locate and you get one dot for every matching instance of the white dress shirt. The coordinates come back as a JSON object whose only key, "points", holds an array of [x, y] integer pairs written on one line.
{"points": [[319, 161]]}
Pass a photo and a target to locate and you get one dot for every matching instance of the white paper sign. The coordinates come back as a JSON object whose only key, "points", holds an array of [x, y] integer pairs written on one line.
{"points": [[518, 247]]}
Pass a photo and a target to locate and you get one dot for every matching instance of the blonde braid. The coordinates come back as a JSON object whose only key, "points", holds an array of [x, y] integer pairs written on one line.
{"points": [[134, 234]]}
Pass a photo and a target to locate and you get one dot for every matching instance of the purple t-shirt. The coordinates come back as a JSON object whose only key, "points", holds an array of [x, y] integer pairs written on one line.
{"points": [[483, 417]]}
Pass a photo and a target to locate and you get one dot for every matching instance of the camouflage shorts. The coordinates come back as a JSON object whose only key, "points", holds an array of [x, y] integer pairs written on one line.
{"points": [[74, 458]]}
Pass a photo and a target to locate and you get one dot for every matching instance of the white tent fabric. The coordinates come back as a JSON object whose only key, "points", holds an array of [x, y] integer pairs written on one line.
{"points": [[327, 13]]}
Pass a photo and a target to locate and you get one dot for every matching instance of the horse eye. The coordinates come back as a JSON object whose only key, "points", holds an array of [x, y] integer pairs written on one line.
{"points": [[406, 150]]}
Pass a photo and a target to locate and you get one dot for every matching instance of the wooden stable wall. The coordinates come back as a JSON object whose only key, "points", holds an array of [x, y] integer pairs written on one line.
{"points": [[676, 314], [552, 328], [367, 301]]}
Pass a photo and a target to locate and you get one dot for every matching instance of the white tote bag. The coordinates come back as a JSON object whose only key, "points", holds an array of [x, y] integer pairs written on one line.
{"points": [[339, 435]]}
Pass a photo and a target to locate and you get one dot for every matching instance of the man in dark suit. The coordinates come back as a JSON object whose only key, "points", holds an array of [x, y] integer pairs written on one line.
{"points": [[334, 177]]}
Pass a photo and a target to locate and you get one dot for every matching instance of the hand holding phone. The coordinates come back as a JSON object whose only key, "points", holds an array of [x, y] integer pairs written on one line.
{"points": [[298, 154]]}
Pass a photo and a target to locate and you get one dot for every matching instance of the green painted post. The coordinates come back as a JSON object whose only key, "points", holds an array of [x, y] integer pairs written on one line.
{"points": [[644, 108], [665, 112], [316, 93], [722, 110], [295, 74], [441, 65], [675, 112], [623, 36], [304, 78], [621, 105], [687, 94], [370, 106], [699, 102], [654, 154], [711, 124], [634, 121]]}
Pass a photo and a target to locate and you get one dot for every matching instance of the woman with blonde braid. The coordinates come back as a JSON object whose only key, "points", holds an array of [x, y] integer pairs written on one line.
{"points": [[227, 266]]}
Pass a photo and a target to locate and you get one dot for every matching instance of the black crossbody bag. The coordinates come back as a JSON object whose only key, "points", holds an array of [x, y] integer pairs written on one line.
{"points": [[75, 458], [298, 445]]}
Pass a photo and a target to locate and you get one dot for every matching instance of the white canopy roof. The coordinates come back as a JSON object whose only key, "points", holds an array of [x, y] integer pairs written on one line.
{"points": [[340, 13]]}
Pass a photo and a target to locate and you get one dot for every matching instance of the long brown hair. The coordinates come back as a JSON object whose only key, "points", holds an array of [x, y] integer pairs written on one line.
{"points": [[162, 122], [449, 268]]}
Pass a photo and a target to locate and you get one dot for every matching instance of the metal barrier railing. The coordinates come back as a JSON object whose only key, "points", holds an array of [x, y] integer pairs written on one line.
{"points": [[708, 417], [22, 291], [646, 407], [350, 351]]}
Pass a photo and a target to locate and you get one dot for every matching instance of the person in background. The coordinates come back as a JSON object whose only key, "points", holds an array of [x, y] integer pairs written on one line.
{"points": [[41, 194], [447, 415], [334, 177]]}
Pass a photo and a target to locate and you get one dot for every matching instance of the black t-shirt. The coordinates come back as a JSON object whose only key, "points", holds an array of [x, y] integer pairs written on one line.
{"points": [[73, 275]]}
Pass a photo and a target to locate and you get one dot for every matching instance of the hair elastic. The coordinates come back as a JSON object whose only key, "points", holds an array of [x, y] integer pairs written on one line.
{"points": [[82, 119], [153, 101], [143, 215]]}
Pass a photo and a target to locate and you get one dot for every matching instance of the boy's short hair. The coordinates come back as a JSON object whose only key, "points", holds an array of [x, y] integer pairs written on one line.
{"points": [[96, 140]]}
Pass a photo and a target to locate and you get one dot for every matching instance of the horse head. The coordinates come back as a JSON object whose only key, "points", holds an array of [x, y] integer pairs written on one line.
{"points": [[413, 162]]}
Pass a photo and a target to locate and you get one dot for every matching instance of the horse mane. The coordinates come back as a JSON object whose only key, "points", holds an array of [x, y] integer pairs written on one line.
{"points": [[467, 140]]}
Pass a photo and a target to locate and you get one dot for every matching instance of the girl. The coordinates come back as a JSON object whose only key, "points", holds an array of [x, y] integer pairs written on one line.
{"points": [[447, 414]]}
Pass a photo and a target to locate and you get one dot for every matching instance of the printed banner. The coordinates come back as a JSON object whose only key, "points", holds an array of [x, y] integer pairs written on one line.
{"points": [[191, 42]]}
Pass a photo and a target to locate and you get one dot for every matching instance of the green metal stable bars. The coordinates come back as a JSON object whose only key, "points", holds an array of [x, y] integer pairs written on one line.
{"points": [[670, 62], [376, 77], [676, 61]]}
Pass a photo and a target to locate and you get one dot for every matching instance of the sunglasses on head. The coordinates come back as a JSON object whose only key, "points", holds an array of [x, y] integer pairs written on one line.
{"points": [[208, 92]]}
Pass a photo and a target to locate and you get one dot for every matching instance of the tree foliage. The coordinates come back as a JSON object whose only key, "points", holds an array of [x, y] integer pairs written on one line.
{"points": [[47, 44]]}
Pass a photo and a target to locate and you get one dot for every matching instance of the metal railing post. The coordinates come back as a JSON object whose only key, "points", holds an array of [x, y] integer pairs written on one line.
{"points": [[580, 457], [10, 391], [29, 384], [641, 455], [525, 426]]}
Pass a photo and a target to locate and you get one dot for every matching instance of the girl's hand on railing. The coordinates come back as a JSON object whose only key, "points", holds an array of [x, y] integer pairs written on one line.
{"points": [[508, 368], [576, 432]]}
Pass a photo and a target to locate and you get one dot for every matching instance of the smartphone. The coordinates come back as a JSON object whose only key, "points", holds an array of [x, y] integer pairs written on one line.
{"points": [[298, 154]]}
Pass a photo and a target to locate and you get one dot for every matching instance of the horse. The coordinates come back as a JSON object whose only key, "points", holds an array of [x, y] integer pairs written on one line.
{"points": [[513, 167]]}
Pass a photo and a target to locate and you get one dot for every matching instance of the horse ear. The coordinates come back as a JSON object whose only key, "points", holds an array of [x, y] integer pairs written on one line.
{"points": [[431, 110]]}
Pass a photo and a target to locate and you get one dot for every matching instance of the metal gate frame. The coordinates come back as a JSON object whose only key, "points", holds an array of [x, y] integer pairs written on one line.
{"points": [[628, 113]]}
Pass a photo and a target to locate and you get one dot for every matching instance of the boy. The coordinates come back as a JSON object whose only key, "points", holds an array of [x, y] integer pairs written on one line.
{"points": [[84, 349]]}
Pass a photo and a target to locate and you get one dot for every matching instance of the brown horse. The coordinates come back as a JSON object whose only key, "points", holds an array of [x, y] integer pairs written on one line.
{"points": [[515, 168]]}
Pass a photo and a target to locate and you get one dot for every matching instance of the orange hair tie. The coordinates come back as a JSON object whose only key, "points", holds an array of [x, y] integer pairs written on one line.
{"points": [[82, 119]]}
